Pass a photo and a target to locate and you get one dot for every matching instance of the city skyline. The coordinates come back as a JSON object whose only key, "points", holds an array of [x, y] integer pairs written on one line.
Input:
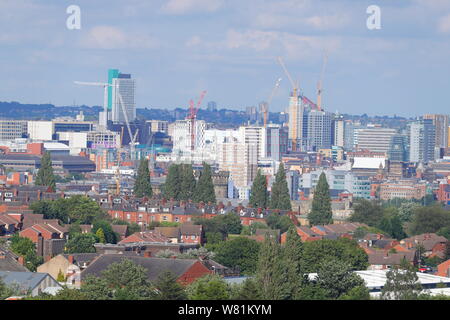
{"points": [[175, 49]]}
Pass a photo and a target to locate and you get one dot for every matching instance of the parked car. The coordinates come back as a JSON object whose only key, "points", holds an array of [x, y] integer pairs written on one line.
{"points": [[425, 269]]}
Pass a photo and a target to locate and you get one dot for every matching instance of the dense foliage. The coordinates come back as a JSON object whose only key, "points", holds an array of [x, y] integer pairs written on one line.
{"points": [[321, 213]]}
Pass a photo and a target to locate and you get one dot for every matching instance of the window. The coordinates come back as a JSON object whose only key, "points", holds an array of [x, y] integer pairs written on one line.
{"points": [[128, 216], [177, 219], [165, 218], [193, 237]]}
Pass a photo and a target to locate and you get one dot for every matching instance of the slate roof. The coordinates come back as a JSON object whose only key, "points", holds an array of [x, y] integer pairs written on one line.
{"points": [[80, 259], [380, 258], [26, 280], [154, 266], [8, 261]]}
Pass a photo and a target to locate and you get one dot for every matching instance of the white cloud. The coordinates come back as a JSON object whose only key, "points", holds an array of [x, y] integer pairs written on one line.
{"points": [[108, 37], [179, 7]]}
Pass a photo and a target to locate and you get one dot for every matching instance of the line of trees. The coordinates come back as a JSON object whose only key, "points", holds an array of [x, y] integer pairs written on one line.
{"points": [[181, 184]]}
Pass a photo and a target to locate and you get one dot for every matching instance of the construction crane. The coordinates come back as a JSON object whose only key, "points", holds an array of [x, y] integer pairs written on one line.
{"points": [[266, 106], [320, 83], [105, 96], [193, 115]]}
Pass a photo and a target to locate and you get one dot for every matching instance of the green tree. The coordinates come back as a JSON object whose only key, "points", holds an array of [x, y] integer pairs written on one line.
{"points": [[122, 280], [343, 249], [45, 176], [368, 212], [401, 283], [100, 235], [270, 274], [204, 190], [280, 198], [74, 229], [239, 252], [81, 243], [142, 185], [406, 211], [259, 196], [209, 287], [444, 232], [356, 293], [188, 182], [21, 245], [277, 221], [60, 277], [391, 223], [168, 287], [292, 261], [230, 223], [109, 235], [172, 186], [321, 213], [429, 219], [336, 278], [248, 290]]}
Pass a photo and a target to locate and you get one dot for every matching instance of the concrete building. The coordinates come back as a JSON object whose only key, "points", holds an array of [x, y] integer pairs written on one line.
{"points": [[159, 126], [40, 130], [338, 131], [319, 130], [254, 135], [422, 141], [296, 110], [13, 129], [374, 139], [440, 121], [182, 142], [277, 141], [398, 148], [403, 189]]}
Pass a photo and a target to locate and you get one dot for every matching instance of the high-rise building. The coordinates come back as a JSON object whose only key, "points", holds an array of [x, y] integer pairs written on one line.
{"points": [[254, 135], [295, 121], [422, 141], [125, 86], [277, 141], [212, 106], [182, 142], [338, 131], [374, 139], [440, 122], [319, 130], [159, 126], [398, 148]]}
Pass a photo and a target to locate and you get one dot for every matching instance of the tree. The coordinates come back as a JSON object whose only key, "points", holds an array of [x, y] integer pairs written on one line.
{"points": [[109, 235], [204, 190], [401, 283], [240, 252], [100, 235], [209, 287], [172, 186], [45, 176], [122, 280], [26, 248], [321, 213], [391, 223], [277, 221], [292, 261], [60, 277], [168, 287], [356, 293], [248, 290], [336, 278], [280, 198], [188, 182], [343, 249], [74, 229], [142, 185], [270, 275], [406, 211], [444, 232], [230, 223], [259, 197], [429, 220], [81, 243], [368, 212]]}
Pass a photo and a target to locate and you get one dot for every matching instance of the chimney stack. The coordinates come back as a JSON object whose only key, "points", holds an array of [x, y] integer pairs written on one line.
{"points": [[70, 259], [147, 254], [21, 260]]}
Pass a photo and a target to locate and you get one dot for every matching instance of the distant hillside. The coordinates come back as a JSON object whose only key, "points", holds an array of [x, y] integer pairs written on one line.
{"points": [[16, 110]]}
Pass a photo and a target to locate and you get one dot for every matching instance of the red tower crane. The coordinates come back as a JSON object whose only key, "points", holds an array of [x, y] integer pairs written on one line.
{"points": [[193, 115]]}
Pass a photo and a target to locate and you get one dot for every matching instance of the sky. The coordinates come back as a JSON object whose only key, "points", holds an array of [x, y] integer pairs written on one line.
{"points": [[177, 48]]}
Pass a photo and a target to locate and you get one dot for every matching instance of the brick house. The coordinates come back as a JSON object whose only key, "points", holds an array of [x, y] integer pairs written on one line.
{"points": [[444, 269], [385, 260], [305, 233], [146, 236]]}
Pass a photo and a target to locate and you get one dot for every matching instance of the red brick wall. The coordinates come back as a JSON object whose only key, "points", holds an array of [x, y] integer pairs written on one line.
{"points": [[30, 234]]}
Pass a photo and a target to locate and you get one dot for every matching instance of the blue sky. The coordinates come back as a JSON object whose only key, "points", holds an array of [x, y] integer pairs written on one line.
{"points": [[177, 48]]}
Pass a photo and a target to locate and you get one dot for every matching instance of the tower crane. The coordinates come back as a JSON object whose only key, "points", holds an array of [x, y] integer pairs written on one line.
{"points": [[193, 115], [319, 84], [105, 97], [266, 107]]}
